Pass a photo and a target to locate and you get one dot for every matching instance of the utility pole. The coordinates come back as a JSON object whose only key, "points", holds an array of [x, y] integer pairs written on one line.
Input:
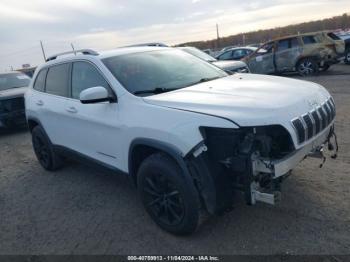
{"points": [[42, 49], [217, 35]]}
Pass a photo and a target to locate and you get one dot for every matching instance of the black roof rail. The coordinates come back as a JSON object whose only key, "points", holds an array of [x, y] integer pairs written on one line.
{"points": [[82, 51], [148, 44]]}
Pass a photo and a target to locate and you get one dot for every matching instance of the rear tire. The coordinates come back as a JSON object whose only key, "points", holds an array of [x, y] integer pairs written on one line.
{"points": [[347, 56], [325, 68], [307, 67], [171, 201], [43, 149]]}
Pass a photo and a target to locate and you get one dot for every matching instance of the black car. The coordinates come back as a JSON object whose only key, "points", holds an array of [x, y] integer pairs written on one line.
{"points": [[12, 88]]}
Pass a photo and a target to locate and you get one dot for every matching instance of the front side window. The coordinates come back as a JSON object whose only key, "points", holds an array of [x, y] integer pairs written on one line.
{"points": [[57, 80], [309, 39], [85, 75], [13, 80], [160, 71], [39, 84], [266, 48]]}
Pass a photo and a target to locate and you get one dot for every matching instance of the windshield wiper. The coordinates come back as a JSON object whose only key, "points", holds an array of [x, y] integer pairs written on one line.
{"points": [[157, 90], [202, 80]]}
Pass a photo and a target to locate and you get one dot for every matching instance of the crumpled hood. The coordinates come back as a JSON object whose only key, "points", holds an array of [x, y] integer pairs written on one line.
{"points": [[247, 99], [13, 92]]}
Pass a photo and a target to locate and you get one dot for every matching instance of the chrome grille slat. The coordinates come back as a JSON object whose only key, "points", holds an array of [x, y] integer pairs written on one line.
{"points": [[309, 126], [323, 117], [312, 123], [329, 113], [317, 119]]}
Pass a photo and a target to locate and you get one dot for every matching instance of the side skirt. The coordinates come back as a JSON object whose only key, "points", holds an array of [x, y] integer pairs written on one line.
{"points": [[84, 159]]}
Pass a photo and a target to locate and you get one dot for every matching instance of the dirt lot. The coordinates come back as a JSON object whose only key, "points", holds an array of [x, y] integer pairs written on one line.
{"points": [[79, 210]]}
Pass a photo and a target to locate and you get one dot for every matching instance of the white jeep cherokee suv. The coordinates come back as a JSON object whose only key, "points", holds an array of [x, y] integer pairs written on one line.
{"points": [[188, 134]]}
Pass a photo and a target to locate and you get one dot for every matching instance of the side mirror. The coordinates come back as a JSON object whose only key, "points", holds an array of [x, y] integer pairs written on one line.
{"points": [[95, 94]]}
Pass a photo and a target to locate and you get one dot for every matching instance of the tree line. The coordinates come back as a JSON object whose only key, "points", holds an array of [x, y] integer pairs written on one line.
{"points": [[261, 36]]}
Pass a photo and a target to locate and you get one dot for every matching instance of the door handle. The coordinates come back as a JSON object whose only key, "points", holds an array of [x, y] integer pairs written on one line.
{"points": [[72, 109], [40, 103]]}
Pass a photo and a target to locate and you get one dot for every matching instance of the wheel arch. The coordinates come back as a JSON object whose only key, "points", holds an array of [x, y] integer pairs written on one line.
{"points": [[141, 148], [300, 58], [33, 122]]}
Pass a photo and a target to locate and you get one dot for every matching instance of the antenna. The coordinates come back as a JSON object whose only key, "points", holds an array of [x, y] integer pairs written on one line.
{"points": [[75, 53], [42, 49]]}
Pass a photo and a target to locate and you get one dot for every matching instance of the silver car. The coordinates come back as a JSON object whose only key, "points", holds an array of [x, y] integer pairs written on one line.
{"points": [[228, 66]]}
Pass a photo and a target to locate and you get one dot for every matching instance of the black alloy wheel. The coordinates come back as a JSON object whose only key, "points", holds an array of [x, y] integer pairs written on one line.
{"points": [[163, 199]]}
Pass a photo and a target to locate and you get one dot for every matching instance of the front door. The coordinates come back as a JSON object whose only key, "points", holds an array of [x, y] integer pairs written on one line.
{"points": [[262, 61], [93, 128]]}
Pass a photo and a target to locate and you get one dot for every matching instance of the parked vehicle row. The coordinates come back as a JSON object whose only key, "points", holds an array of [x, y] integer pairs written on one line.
{"points": [[304, 53], [12, 88]]}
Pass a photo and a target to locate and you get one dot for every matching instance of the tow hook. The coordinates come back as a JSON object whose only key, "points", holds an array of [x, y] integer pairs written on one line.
{"points": [[268, 198], [272, 197], [319, 152]]}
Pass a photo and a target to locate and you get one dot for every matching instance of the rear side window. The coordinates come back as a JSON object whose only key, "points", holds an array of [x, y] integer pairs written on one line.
{"points": [[39, 84], [287, 43], [334, 36], [57, 80], [238, 54], [84, 76], [226, 55], [309, 39], [294, 42]]}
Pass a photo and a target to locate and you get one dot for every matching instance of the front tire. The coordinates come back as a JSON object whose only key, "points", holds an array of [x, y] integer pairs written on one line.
{"points": [[171, 200], [307, 67], [43, 149]]}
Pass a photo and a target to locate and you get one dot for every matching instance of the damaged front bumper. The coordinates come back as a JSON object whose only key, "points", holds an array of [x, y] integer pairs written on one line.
{"points": [[248, 161], [282, 166]]}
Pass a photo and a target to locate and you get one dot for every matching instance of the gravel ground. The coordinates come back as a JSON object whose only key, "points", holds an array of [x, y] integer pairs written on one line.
{"points": [[80, 210]]}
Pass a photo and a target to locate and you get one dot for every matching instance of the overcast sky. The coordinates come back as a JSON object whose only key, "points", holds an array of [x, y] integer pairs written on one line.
{"points": [[105, 24]]}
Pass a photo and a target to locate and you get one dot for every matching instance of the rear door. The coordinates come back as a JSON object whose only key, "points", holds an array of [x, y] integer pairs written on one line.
{"points": [[287, 53], [92, 129], [51, 104], [262, 61]]}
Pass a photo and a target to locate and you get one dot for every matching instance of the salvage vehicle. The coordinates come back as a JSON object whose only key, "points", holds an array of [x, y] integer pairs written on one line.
{"points": [[236, 53], [345, 36], [13, 85], [228, 66], [188, 134], [305, 53]]}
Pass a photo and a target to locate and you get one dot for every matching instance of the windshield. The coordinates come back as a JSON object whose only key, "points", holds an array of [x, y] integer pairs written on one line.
{"points": [[161, 70], [13, 80], [198, 53]]}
